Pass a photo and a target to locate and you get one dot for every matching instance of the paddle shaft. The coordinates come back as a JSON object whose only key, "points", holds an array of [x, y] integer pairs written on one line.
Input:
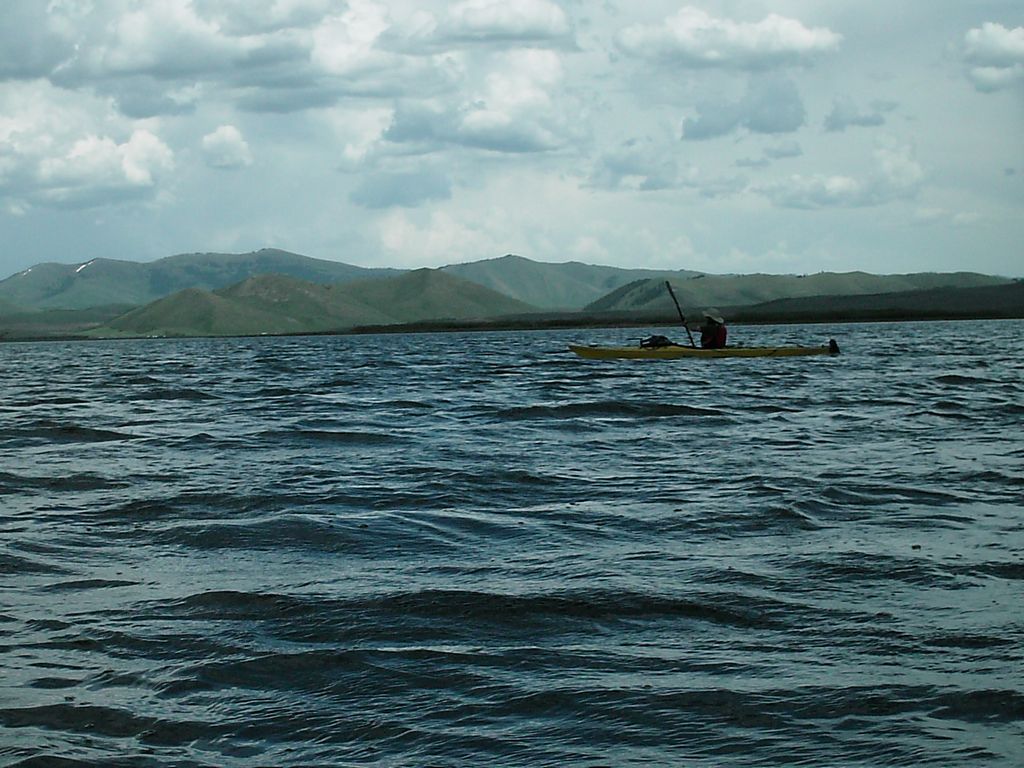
{"points": [[682, 319]]}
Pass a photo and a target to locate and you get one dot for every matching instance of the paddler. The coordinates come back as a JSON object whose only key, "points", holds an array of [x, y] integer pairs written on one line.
{"points": [[713, 332]]}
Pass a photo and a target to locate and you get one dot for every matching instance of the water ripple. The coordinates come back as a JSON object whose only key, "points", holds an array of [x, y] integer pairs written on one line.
{"points": [[475, 549]]}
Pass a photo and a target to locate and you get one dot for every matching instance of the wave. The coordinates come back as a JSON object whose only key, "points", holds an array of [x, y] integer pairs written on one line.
{"points": [[174, 393], [50, 432], [83, 584], [956, 379], [563, 609], [12, 564], [344, 437], [17, 483], [500, 557], [608, 408]]}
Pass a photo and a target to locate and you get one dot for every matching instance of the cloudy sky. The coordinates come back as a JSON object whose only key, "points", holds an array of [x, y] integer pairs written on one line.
{"points": [[783, 136]]}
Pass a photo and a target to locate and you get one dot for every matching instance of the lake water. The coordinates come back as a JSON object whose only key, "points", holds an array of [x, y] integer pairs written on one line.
{"points": [[476, 549]]}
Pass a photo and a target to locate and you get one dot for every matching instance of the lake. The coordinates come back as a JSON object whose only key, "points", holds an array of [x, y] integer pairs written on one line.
{"points": [[477, 549]]}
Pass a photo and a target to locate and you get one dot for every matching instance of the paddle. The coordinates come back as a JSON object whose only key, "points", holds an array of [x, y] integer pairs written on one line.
{"points": [[681, 318]]}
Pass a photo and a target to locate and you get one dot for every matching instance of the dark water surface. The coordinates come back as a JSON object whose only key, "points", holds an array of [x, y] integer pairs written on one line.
{"points": [[448, 550]]}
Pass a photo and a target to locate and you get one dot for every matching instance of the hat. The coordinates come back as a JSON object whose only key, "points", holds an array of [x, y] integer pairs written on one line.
{"points": [[713, 314]]}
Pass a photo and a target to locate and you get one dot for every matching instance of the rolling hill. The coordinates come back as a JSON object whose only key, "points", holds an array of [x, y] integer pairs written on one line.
{"points": [[563, 286], [273, 291], [276, 304], [432, 294], [100, 282], [740, 290], [985, 301]]}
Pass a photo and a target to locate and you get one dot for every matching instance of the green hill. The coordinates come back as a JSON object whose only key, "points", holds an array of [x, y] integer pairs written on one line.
{"points": [[196, 312], [101, 282], [276, 304], [308, 306], [56, 323], [741, 290], [564, 286], [987, 301], [433, 294], [8, 308]]}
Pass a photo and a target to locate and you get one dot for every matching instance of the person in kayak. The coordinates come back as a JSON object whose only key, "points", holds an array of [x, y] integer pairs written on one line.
{"points": [[713, 332]]}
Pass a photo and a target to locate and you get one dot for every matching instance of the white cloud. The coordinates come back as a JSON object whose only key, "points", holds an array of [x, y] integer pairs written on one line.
{"points": [[345, 44], [695, 38], [845, 114], [163, 58], [401, 190], [244, 17], [995, 56], [954, 218], [62, 149], [360, 133], [226, 148], [495, 20], [566, 117], [783, 149], [442, 238], [642, 165], [995, 45], [164, 40], [97, 170], [515, 110], [897, 175], [351, 57], [481, 25]]}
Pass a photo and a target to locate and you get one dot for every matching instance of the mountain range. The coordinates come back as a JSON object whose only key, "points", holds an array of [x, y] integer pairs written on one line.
{"points": [[101, 282], [743, 290], [276, 304], [272, 292]]}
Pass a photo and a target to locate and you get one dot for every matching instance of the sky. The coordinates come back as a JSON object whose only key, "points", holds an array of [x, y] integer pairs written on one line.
{"points": [[728, 136]]}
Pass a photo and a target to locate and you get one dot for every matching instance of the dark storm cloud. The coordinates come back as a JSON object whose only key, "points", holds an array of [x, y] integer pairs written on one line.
{"points": [[637, 163], [29, 46], [845, 114], [771, 105], [486, 23], [438, 128]]}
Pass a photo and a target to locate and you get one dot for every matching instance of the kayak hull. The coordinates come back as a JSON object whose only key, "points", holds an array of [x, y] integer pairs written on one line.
{"points": [[674, 352]]}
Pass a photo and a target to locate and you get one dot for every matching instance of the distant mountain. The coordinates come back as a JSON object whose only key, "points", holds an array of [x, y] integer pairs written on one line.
{"points": [[56, 323], [275, 304], [100, 282], [7, 308], [564, 286], [196, 312], [433, 294], [740, 290], [986, 301]]}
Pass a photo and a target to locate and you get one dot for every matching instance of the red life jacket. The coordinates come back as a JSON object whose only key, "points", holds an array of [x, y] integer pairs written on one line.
{"points": [[713, 336]]}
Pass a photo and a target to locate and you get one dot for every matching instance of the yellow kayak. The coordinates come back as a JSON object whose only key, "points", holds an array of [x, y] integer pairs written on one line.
{"points": [[674, 352]]}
